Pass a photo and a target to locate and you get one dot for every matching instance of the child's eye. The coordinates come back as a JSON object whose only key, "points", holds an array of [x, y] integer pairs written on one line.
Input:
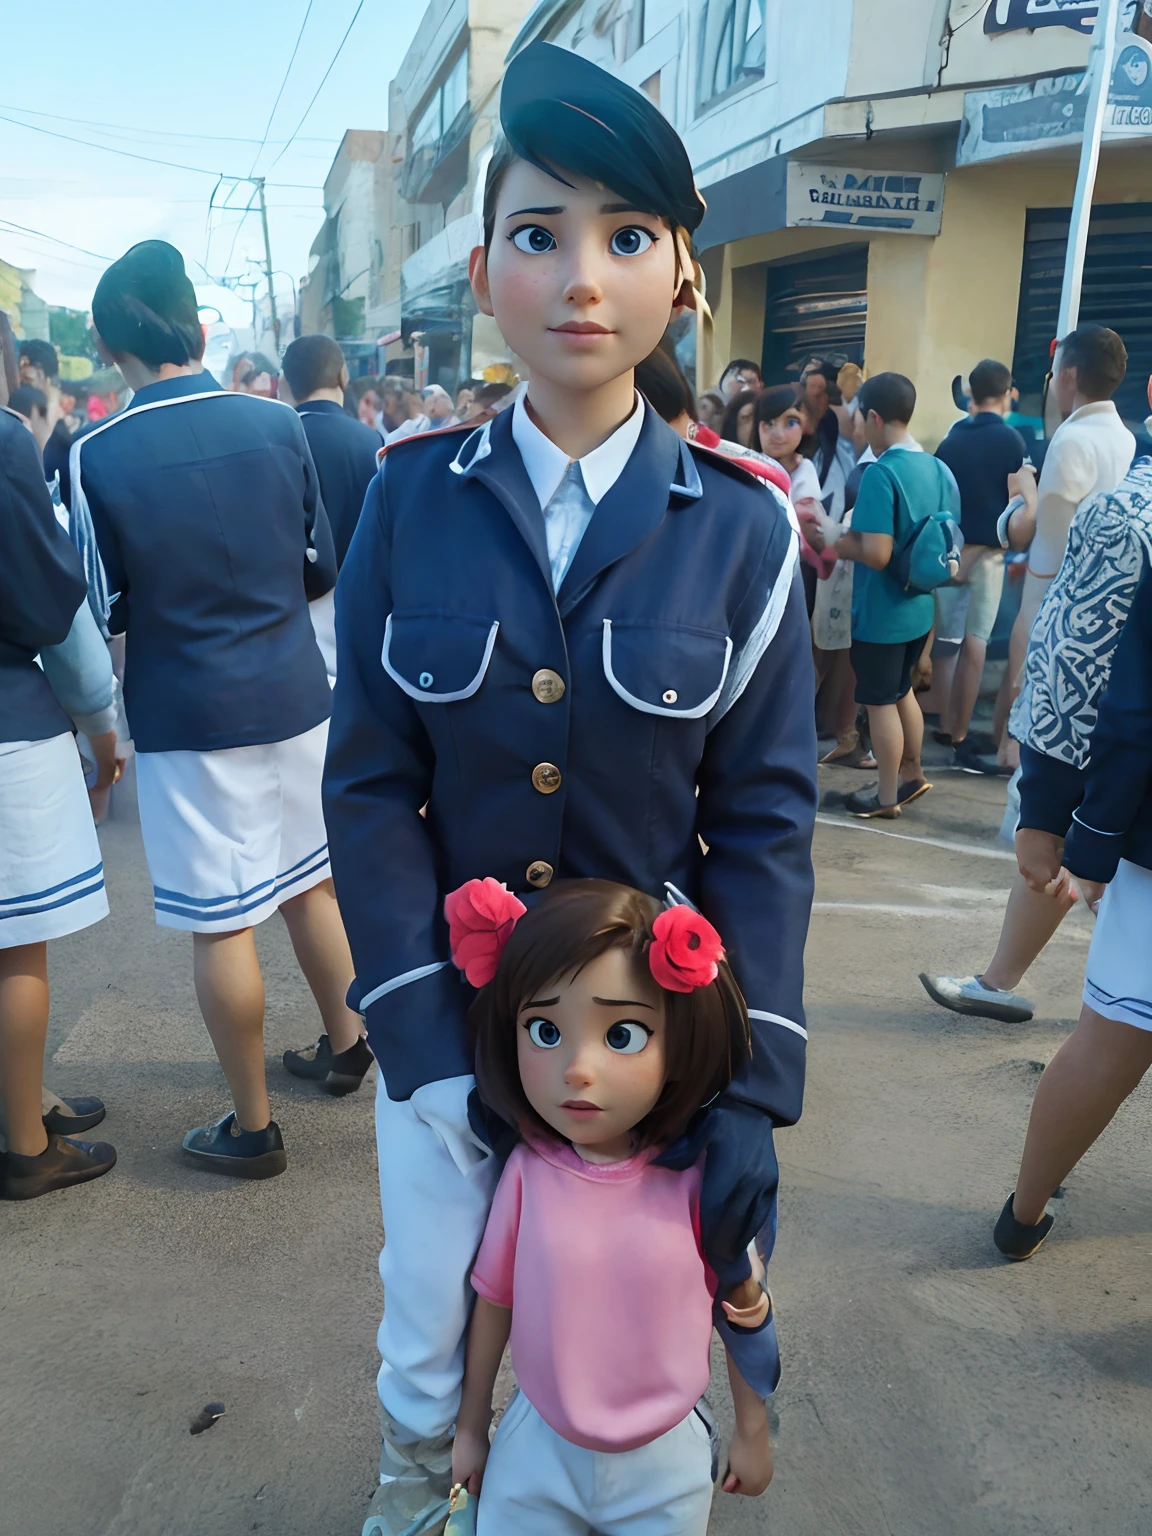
{"points": [[627, 1037], [533, 239], [632, 241], [544, 1033]]}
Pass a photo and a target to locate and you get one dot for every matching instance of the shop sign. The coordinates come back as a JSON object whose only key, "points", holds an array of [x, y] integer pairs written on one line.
{"points": [[907, 202], [1016, 119], [1028, 15]]}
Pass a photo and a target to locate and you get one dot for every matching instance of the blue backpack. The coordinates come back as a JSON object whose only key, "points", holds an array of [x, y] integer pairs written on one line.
{"points": [[927, 553]]}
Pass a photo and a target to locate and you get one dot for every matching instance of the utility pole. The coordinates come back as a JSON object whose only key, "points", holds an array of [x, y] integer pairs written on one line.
{"points": [[259, 180], [1101, 58]]}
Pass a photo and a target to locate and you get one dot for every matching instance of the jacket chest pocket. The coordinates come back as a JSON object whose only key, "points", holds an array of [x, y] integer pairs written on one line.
{"points": [[665, 669], [437, 658]]}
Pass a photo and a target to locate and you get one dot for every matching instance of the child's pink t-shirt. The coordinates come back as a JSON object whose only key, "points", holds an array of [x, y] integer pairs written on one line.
{"points": [[611, 1296]]}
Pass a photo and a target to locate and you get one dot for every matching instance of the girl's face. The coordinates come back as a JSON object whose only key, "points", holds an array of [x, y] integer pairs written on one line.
{"points": [[591, 1052], [745, 418], [780, 437]]}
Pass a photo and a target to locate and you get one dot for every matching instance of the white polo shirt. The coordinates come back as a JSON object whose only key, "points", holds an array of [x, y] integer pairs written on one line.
{"points": [[1089, 453]]}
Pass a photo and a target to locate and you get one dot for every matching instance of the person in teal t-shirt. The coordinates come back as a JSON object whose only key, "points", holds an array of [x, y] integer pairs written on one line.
{"points": [[889, 624]]}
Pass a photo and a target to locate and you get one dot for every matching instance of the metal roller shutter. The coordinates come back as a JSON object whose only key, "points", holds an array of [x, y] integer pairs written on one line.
{"points": [[1117, 292], [815, 307]]}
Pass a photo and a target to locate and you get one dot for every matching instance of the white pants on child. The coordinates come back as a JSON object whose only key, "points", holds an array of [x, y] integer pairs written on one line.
{"points": [[538, 1484], [436, 1185]]}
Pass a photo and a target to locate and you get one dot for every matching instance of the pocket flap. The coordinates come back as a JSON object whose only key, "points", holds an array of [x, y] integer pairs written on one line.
{"points": [[666, 670], [437, 658]]}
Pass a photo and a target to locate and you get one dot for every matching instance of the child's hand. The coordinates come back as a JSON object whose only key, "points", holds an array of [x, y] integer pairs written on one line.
{"points": [[749, 1461], [469, 1458], [748, 1316]]}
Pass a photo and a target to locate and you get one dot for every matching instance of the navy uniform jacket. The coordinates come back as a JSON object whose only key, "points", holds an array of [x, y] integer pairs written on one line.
{"points": [[344, 451], [664, 697], [212, 533], [41, 587]]}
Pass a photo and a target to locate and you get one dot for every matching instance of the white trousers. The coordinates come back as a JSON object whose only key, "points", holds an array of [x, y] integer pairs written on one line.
{"points": [[538, 1484], [436, 1186]]}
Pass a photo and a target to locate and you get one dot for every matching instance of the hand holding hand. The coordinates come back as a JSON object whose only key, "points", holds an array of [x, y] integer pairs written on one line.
{"points": [[1091, 890], [749, 1461], [1039, 855], [469, 1458]]}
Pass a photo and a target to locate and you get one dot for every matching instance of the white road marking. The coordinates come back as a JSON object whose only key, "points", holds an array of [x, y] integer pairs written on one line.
{"points": [[977, 850]]}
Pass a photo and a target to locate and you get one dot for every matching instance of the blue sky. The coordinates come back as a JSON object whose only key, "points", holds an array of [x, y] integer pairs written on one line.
{"points": [[165, 79]]}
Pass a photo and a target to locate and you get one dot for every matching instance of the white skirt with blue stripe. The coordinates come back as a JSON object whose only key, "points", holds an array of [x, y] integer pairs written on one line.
{"points": [[1118, 979], [51, 873], [230, 835]]}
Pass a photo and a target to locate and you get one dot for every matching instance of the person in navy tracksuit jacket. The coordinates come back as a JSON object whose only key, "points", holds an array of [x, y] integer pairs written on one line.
{"points": [[576, 654]]}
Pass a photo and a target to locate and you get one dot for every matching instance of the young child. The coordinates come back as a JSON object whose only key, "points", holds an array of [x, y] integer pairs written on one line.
{"points": [[577, 643], [604, 1022]]}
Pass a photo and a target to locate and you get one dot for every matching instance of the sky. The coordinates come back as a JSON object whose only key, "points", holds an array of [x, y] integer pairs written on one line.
{"points": [[191, 84]]}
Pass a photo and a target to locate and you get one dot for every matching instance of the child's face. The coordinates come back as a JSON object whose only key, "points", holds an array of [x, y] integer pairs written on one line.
{"points": [[780, 437], [581, 286], [591, 1052]]}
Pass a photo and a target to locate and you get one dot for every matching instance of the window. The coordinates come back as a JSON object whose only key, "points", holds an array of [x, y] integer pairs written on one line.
{"points": [[731, 46], [427, 129], [444, 108]]}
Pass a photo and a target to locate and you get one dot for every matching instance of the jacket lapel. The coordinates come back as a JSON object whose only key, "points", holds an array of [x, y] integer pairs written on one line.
{"points": [[629, 512], [496, 464]]}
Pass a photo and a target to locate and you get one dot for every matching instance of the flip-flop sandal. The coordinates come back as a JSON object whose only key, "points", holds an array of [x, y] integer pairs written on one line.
{"points": [[909, 792], [868, 807], [855, 756]]}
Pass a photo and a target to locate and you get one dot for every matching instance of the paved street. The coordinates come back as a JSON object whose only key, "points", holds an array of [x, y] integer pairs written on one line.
{"points": [[929, 1387]]}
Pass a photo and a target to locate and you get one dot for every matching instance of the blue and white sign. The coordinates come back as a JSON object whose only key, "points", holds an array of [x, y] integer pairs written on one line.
{"points": [[1018, 118], [904, 202], [1028, 15]]}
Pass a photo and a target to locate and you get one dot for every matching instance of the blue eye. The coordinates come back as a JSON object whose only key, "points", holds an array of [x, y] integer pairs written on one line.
{"points": [[627, 1037], [631, 241], [544, 1033], [533, 239]]}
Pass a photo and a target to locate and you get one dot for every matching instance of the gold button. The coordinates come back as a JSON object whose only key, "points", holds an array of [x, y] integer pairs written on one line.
{"points": [[546, 778], [540, 874], [548, 686]]}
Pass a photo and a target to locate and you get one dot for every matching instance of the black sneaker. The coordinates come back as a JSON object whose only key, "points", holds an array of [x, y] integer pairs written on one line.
{"points": [[340, 1071], [76, 1116], [1016, 1241], [62, 1163], [225, 1148], [967, 756]]}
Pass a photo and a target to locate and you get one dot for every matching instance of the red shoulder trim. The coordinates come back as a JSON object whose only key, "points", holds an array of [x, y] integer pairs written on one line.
{"points": [[774, 474], [422, 437]]}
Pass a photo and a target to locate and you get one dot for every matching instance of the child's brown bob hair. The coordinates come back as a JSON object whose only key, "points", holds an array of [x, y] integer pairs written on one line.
{"points": [[707, 1036]]}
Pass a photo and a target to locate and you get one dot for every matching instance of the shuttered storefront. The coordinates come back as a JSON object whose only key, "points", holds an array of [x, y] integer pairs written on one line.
{"points": [[1117, 292], [816, 306]]}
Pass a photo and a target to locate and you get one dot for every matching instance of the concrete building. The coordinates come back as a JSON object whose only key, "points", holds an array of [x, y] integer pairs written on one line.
{"points": [[889, 181]]}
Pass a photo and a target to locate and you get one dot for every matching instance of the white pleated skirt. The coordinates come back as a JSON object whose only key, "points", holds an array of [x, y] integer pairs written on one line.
{"points": [[1118, 979], [230, 835], [51, 872]]}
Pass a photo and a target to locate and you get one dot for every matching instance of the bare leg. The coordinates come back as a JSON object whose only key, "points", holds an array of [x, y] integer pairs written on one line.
{"points": [[230, 991], [887, 732], [934, 700], [1083, 1086], [1030, 920], [844, 706], [965, 688], [912, 731], [317, 933], [23, 1035]]}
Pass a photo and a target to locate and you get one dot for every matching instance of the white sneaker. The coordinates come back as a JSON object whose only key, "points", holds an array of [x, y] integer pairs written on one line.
{"points": [[968, 994]]}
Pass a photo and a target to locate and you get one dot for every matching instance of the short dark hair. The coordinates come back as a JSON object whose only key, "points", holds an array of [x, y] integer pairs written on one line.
{"points": [[487, 394], [989, 380], [707, 1034], [661, 382], [778, 398], [890, 395], [738, 365], [312, 363], [1099, 357], [28, 399], [42, 355], [731, 423], [145, 307]]}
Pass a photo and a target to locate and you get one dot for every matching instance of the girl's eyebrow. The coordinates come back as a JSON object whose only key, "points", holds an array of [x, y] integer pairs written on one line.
{"points": [[543, 1002], [623, 1002], [519, 211]]}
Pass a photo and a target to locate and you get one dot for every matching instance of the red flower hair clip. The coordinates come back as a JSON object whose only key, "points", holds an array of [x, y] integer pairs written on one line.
{"points": [[481, 916], [685, 952]]}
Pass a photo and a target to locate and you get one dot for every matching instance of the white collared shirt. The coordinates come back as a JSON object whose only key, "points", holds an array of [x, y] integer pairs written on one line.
{"points": [[568, 501], [1090, 452]]}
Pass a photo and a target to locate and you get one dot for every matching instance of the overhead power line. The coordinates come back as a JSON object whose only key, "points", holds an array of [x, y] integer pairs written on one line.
{"points": [[24, 230], [283, 83], [154, 133], [320, 87]]}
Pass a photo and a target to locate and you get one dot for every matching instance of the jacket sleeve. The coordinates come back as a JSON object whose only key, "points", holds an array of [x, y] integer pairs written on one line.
{"points": [[41, 579], [756, 814], [1119, 771], [377, 777], [320, 551], [1050, 791], [79, 672]]}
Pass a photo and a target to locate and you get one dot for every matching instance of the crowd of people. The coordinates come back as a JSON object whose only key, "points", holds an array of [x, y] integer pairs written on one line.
{"points": [[579, 970]]}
